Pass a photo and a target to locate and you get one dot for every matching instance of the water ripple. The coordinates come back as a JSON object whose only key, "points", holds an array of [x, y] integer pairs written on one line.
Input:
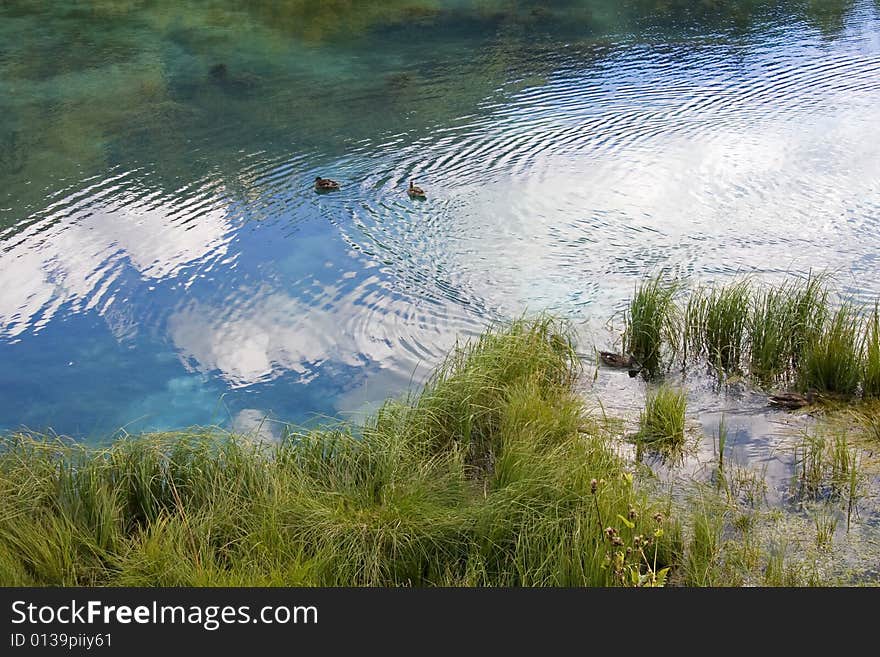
{"points": [[185, 225]]}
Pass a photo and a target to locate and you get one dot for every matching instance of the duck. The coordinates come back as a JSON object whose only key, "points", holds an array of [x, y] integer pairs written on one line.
{"points": [[611, 359], [415, 192], [219, 71], [241, 82], [792, 400], [325, 184]]}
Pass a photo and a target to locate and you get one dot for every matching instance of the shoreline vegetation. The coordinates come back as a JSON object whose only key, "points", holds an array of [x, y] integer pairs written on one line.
{"points": [[492, 475], [797, 333], [496, 473]]}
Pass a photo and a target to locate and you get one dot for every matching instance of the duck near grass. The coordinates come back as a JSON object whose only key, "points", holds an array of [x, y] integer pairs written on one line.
{"points": [[792, 400], [325, 185], [621, 361]]}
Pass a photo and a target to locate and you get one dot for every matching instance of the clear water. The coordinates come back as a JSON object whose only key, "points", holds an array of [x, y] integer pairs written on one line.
{"points": [[164, 260]]}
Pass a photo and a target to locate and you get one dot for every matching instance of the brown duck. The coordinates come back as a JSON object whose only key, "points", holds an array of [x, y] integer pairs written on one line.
{"points": [[621, 361], [415, 191], [792, 400], [325, 184]]}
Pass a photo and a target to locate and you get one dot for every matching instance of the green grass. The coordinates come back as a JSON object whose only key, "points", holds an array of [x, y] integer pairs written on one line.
{"points": [[795, 333], [717, 322], [832, 361], [652, 319], [785, 319], [493, 475], [871, 374], [662, 423], [828, 467], [702, 562], [866, 418], [722, 442]]}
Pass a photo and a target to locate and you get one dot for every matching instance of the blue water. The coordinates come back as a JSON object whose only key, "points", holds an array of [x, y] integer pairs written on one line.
{"points": [[164, 260]]}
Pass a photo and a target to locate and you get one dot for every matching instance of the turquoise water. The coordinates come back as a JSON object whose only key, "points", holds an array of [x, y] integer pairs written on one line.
{"points": [[164, 260]]}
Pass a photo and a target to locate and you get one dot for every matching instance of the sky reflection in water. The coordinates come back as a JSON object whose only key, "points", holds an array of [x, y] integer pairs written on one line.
{"points": [[164, 260]]}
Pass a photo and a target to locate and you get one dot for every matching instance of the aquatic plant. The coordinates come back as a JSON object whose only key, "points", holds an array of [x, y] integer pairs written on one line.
{"points": [[785, 319], [826, 525], [794, 332], [722, 442], [832, 361], [866, 417], [702, 565], [652, 323], [717, 322], [662, 423], [871, 368], [829, 467]]}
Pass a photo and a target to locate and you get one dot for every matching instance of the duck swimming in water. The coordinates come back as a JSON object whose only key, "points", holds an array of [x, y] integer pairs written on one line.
{"points": [[792, 400], [611, 359], [325, 184], [415, 192]]}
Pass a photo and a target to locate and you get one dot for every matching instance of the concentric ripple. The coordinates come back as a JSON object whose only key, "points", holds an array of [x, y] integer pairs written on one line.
{"points": [[165, 260]]}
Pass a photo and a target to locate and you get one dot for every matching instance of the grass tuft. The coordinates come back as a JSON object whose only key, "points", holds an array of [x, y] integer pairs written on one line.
{"points": [[662, 422], [793, 333], [871, 370], [651, 323], [717, 322], [832, 361]]}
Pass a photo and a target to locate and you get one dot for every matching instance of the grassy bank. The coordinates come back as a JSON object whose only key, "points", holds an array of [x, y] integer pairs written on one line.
{"points": [[493, 475]]}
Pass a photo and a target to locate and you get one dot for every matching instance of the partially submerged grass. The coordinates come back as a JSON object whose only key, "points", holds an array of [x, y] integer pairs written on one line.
{"points": [[871, 374], [866, 417], [795, 333], [829, 470], [722, 442], [492, 475], [784, 319], [662, 423], [826, 526], [832, 361], [717, 322], [651, 323]]}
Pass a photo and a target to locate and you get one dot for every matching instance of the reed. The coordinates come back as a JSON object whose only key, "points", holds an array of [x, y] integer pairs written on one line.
{"points": [[652, 320], [717, 321], [871, 368], [785, 319], [832, 361]]}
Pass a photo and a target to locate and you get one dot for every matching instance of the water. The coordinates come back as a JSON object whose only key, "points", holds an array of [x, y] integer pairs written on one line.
{"points": [[164, 260]]}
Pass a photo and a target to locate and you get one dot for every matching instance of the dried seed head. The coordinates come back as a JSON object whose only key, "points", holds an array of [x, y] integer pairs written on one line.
{"points": [[658, 517], [593, 486]]}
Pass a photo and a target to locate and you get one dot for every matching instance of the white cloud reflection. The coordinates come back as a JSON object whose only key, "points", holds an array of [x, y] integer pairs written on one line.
{"points": [[262, 332], [77, 258]]}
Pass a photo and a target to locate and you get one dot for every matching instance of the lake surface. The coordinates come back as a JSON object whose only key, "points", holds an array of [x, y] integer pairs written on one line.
{"points": [[164, 260]]}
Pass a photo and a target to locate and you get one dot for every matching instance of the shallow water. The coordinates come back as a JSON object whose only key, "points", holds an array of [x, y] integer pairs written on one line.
{"points": [[164, 260]]}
